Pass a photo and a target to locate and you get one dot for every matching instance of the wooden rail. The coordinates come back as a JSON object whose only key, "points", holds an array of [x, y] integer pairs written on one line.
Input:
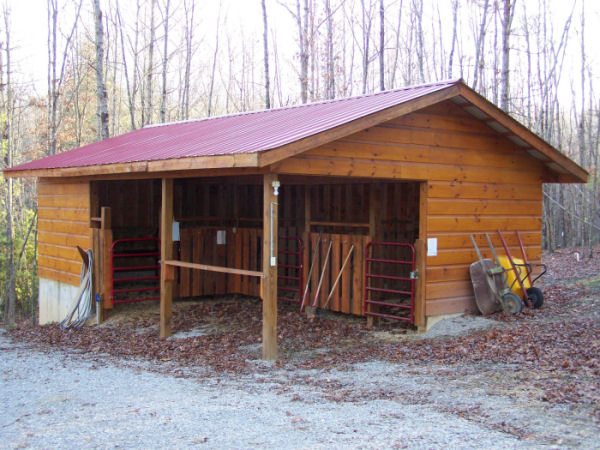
{"points": [[188, 265]]}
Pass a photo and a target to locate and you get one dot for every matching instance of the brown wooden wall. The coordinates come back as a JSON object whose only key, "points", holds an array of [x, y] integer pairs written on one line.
{"points": [[63, 223], [476, 179]]}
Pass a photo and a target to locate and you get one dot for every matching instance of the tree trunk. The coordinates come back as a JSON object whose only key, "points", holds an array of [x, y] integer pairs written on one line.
{"points": [[147, 116], [480, 45], [507, 17], [330, 85], [266, 57], [214, 66], [8, 110], [303, 27], [163, 102], [381, 46], [102, 101]]}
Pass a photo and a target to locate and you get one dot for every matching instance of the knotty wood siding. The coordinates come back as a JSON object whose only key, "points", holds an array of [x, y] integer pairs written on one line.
{"points": [[477, 180], [63, 223]]}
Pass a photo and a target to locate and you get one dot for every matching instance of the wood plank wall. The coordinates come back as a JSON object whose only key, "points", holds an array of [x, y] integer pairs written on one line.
{"points": [[477, 181], [135, 206], [347, 297], [63, 223]]}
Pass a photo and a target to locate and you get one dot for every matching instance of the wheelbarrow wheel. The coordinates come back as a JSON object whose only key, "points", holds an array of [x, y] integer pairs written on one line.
{"points": [[511, 304], [535, 296]]}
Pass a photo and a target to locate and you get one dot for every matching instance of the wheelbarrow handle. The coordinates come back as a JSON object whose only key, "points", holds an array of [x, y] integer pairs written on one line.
{"points": [[477, 250]]}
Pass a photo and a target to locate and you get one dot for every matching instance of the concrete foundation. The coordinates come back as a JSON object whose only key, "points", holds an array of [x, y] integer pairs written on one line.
{"points": [[55, 299], [432, 320]]}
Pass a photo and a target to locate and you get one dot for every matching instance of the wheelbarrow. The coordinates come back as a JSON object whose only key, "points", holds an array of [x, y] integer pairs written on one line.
{"points": [[519, 274], [492, 292]]}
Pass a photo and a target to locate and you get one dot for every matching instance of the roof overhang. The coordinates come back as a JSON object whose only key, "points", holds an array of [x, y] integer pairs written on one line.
{"points": [[566, 169], [248, 160], [561, 167]]}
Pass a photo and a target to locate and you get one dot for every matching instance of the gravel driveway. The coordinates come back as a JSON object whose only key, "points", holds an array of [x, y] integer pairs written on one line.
{"points": [[53, 399]]}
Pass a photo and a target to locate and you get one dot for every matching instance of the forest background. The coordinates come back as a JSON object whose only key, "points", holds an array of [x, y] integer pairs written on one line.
{"points": [[76, 71]]}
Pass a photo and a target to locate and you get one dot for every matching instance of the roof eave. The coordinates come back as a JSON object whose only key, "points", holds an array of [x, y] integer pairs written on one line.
{"points": [[234, 161], [566, 169]]}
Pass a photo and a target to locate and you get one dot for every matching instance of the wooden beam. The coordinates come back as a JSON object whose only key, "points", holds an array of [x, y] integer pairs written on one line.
{"points": [[375, 210], [421, 256], [106, 240], [188, 265], [163, 165], [293, 148], [166, 253], [269, 282]]}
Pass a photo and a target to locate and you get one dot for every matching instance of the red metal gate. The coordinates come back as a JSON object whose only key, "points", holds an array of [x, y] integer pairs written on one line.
{"points": [[289, 269], [139, 266], [390, 272]]}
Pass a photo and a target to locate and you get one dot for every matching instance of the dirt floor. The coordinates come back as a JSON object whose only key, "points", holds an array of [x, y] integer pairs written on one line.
{"points": [[546, 359]]}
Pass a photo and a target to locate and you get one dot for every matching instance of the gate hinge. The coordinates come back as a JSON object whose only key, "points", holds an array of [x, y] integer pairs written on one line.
{"points": [[414, 275]]}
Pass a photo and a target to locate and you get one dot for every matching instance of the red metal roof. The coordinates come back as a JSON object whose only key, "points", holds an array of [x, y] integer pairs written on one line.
{"points": [[232, 134]]}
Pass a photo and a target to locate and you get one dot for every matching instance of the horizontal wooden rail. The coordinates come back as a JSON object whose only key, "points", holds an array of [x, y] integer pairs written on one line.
{"points": [[188, 265], [339, 224], [221, 219]]}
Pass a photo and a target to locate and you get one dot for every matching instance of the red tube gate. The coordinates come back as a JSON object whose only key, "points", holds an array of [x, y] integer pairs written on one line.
{"points": [[393, 270], [289, 269], [144, 272]]}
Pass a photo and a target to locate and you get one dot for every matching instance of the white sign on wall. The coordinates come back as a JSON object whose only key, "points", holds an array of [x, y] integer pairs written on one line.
{"points": [[431, 246]]}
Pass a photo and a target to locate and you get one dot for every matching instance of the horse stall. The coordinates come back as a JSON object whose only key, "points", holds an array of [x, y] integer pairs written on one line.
{"points": [[358, 237]]}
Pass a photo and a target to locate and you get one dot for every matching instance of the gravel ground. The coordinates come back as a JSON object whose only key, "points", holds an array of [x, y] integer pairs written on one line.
{"points": [[54, 399]]}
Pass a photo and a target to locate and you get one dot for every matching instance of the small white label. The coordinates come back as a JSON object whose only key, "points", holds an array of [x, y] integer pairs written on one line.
{"points": [[175, 228], [273, 261], [221, 237], [431, 246]]}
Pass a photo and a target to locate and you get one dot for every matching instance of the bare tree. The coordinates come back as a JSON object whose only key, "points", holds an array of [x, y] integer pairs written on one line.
{"points": [[396, 46], [302, 24], [417, 11], [381, 46], [102, 106], [147, 109], [7, 100], [55, 79], [165, 61], [480, 44], [214, 66], [266, 57], [189, 8], [330, 84], [130, 81], [507, 18]]}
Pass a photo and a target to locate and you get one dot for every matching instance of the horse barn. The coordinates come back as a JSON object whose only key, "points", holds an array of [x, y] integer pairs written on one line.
{"points": [[363, 206]]}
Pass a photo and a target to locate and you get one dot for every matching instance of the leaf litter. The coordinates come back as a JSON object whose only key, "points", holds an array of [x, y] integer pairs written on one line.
{"points": [[553, 354]]}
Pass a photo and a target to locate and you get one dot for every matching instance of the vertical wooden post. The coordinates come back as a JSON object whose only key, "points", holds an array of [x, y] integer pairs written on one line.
{"points": [[106, 239], [306, 236], [166, 253], [421, 248], [269, 281], [374, 226]]}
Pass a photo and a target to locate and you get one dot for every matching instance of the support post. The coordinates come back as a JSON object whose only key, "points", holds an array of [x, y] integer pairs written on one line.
{"points": [[374, 226], [305, 233], [106, 239], [102, 240], [166, 253], [421, 247], [269, 282]]}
